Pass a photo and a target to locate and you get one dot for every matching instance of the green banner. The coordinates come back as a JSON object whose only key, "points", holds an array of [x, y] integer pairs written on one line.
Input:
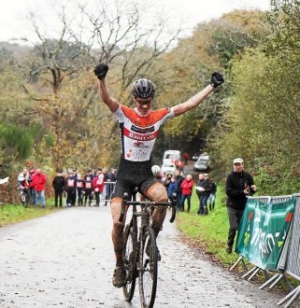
{"points": [[263, 230]]}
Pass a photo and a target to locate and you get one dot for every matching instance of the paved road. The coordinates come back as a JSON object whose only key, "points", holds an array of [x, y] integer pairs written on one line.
{"points": [[65, 260]]}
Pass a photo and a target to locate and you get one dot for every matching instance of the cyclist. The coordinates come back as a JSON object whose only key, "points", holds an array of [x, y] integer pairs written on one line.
{"points": [[139, 129], [24, 180]]}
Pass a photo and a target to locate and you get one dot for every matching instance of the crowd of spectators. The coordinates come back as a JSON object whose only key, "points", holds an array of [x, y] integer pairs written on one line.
{"points": [[71, 187]]}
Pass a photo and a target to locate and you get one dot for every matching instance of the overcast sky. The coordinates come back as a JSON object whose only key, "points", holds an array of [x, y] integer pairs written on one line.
{"points": [[14, 13]]}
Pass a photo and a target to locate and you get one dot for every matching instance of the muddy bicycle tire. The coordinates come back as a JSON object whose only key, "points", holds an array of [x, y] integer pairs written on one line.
{"points": [[24, 199], [130, 255], [148, 268]]}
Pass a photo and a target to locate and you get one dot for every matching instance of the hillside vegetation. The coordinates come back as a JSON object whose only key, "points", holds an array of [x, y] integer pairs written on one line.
{"points": [[51, 114]]}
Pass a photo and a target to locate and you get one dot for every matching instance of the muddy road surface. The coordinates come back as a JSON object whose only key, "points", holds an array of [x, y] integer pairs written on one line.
{"points": [[66, 260]]}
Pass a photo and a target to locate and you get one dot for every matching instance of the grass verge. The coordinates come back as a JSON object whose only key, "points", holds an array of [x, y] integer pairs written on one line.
{"points": [[208, 232], [10, 214]]}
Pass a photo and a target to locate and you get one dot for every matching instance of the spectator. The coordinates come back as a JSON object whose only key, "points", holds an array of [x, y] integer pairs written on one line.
{"points": [[180, 166], [110, 179], [71, 189], [31, 188], [179, 179], [75, 176], [172, 187], [199, 192], [39, 182], [187, 188], [186, 157], [205, 193], [24, 180], [58, 184], [167, 180], [80, 189], [88, 187], [239, 185], [212, 198], [98, 185]]}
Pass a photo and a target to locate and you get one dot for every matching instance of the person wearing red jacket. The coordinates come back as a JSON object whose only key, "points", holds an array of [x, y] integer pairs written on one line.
{"points": [[38, 183], [187, 188], [98, 184]]}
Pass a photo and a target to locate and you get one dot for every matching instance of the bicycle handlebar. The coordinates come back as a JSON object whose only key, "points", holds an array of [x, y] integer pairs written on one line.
{"points": [[171, 203]]}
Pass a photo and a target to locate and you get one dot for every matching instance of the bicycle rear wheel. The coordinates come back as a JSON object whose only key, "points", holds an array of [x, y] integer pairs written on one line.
{"points": [[148, 269], [129, 262], [24, 199]]}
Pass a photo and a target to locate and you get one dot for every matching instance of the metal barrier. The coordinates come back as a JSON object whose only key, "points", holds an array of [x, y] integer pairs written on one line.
{"points": [[293, 256], [109, 188]]}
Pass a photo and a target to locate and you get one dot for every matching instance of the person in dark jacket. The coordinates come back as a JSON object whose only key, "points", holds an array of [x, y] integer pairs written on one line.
{"points": [[71, 189], [58, 184], [205, 193], [239, 185], [212, 197], [88, 188], [179, 179], [172, 187], [80, 189]]}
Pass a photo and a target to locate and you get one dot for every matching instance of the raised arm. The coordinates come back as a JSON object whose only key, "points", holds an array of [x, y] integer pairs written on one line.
{"points": [[216, 80], [101, 71]]}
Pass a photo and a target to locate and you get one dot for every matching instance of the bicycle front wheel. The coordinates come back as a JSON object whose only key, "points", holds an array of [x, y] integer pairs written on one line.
{"points": [[148, 269], [24, 200], [129, 262]]}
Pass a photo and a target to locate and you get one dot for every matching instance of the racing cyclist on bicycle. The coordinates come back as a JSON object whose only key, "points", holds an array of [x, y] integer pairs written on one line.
{"points": [[139, 129]]}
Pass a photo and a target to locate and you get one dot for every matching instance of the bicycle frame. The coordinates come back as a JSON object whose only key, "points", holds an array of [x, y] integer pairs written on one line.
{"points": [[140, 250]]}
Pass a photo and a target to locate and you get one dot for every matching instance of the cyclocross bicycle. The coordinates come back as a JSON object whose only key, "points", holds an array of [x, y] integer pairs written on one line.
{"points": [[140, 250], [24, 196]]}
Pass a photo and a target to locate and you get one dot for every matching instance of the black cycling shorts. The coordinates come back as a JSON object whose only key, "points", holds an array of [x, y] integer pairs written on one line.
{"points": [[133, 175]]}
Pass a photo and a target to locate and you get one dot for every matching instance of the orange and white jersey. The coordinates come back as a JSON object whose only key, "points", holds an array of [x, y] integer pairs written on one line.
{"points": [[138, 133]]}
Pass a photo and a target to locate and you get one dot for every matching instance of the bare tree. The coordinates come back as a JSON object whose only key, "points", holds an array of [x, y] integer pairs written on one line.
{"points": [[117, 36]]}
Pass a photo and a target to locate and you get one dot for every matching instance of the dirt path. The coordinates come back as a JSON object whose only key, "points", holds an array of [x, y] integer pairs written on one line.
{"points": [[66, 260]]}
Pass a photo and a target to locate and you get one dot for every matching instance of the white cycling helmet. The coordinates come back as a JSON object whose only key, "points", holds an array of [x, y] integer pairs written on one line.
{"points": [[155, 170]]}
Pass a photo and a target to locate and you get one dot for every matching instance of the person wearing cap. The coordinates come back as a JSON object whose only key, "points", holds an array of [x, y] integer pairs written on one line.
{"points": [[239, 185]]}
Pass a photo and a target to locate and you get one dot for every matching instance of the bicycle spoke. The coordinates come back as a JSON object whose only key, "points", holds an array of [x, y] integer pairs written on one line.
{"points": [[148, 269], [129, 263]]}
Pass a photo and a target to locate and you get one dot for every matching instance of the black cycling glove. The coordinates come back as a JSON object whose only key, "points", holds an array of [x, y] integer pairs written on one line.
{"points": [[101, 70], [216, 79]]}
